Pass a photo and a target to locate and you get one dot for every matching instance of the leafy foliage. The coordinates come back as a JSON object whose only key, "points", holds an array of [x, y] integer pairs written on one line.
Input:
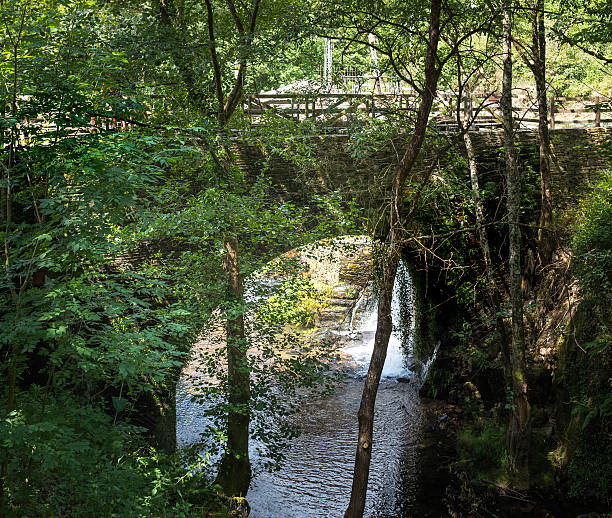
{"points": [[113, 240], [593, 244], [483, 448], [589, 477], [112, 246], [296, 302]]}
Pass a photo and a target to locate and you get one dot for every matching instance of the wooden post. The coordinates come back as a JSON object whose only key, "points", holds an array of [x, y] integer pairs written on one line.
{"points": [[373, 107], [552, 111], [597, 112], [470, 104], [306, 106], [467, 106]]}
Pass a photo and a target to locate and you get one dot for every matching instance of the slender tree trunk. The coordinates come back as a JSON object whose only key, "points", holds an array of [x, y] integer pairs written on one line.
{"points": [[235, 470], [390, 262], [366, 409], [546, 243], [7, 219], [519, 430], [492, 290]]}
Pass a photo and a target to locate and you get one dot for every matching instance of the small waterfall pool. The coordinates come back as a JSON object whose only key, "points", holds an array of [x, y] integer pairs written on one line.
{"points": [[316, 477]]}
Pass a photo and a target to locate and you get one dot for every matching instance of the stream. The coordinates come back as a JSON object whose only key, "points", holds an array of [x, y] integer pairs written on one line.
{"points": [[315, 478]]}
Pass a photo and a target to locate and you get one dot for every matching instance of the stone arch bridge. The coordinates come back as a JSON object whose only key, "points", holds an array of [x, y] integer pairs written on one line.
{"points": [[578, 155]]}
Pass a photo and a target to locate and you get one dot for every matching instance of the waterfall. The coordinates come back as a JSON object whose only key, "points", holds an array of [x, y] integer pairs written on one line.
{"points": [[427, 365], [401, 339]]}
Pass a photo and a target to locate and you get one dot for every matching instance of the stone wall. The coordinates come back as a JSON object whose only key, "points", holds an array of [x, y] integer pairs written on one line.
{"points": [[575, 149], [577, 158], [345, 265]]}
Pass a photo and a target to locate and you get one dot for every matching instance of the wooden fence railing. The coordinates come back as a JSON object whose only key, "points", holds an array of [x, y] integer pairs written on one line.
{"points": [[337, 110], [485, 112]]}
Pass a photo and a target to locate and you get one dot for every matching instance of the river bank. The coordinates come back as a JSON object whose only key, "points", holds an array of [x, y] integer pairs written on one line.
{"points": [[445, 489]]}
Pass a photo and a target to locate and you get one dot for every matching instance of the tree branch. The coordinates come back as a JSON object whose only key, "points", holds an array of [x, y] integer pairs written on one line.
{"points": [[568, 40], [215, 60]]}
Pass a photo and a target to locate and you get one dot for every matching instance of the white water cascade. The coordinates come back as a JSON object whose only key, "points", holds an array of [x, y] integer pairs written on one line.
{"points": [[402, 337]]}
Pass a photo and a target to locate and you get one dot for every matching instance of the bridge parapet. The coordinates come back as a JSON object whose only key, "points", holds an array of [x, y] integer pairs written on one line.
{"points": [[336, 109]]}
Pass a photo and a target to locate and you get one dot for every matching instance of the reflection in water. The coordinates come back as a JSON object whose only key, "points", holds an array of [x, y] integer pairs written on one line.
{"points": [[315, 480]]}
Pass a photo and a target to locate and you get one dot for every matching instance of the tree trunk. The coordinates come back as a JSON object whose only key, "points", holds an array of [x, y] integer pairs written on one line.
{"points": [[366, 409], [519, 430], [235, 470], [546, 243], [390, 262], [492, 291]]}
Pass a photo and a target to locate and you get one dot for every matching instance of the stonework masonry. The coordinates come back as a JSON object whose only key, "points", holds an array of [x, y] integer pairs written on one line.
{"points": [[578, 155]]}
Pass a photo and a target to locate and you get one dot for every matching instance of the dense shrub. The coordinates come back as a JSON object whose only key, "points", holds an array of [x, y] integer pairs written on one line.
{"points": [[295, 303], [589, 475], [592, 244], [482, 448], [589, 370]]}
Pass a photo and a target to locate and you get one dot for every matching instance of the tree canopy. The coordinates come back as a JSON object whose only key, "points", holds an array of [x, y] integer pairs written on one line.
{"points": [[131, 222]]}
